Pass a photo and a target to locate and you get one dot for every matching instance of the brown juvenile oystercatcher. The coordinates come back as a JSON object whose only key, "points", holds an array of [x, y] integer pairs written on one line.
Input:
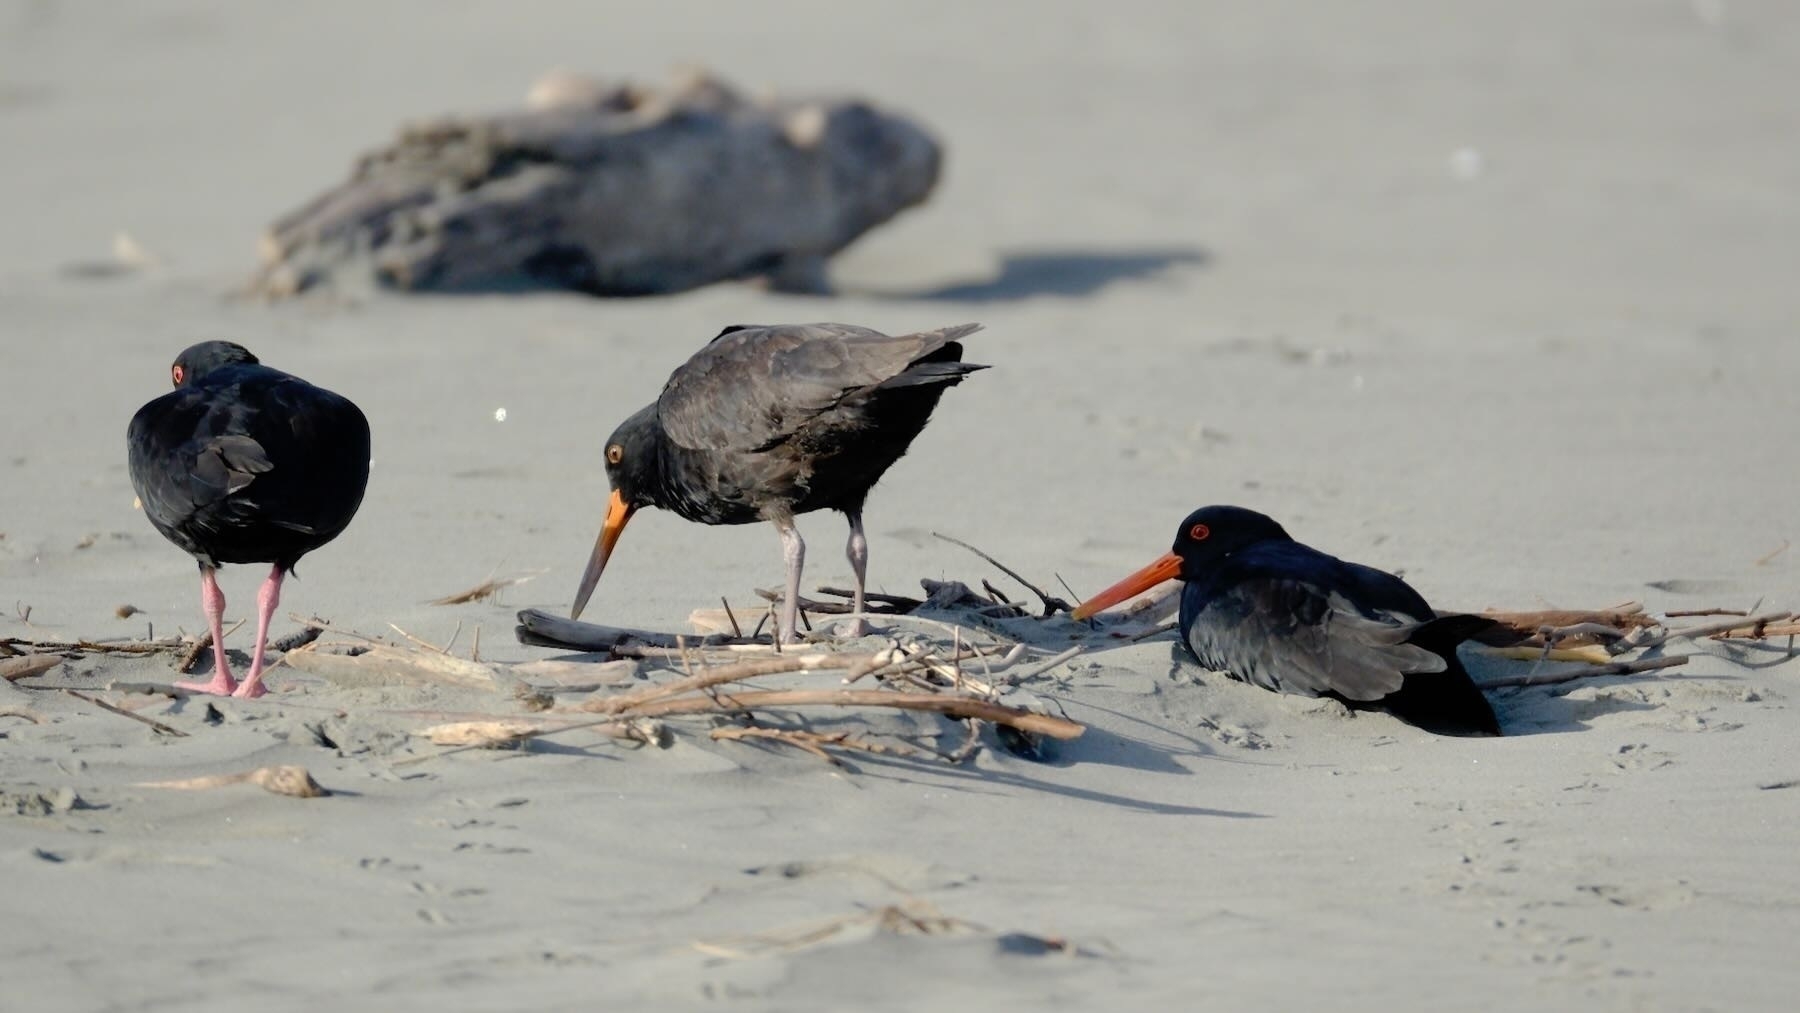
{"points": [[1265, 609], [765, 423], [246, 464]]}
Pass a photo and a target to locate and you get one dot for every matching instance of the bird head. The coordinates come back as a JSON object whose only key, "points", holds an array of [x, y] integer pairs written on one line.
{"points": [[632, 457], [196, 361], [1204, 539]]}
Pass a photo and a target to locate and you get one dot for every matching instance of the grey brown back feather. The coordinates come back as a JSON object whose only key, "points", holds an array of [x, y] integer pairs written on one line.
{"points": [[781, 378]]}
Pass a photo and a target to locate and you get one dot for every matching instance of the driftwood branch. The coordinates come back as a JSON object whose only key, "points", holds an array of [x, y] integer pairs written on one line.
{"points": [[281, 780], [386, 665], [1587, 654], [1568, 627], [1737, 627], [698, 693], [295, 641], [538, 628], [738, 672], [191, 657], [610, 189], [27, 665], [1759, 632], [937, 703], [1616, 668]]}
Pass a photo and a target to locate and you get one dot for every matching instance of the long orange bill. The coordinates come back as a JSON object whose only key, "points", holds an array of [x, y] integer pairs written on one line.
{"points": [[617, 513], [1166, 567]]}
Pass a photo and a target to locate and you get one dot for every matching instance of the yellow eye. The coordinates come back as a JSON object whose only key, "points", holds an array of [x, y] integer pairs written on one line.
{"points": [[615, 454]]}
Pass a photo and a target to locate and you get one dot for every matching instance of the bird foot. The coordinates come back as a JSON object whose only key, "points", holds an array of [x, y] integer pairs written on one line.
{"points": [[250, 689], [222, 684]]}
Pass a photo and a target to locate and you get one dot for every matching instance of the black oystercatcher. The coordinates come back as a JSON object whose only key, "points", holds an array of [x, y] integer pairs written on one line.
{"points": [[768, 422], [246, 464], [1266, 609]]}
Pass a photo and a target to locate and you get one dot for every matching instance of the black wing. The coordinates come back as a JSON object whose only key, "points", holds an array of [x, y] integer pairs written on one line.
{"points": [[755, 387], [260, 466], [188, 456], [1296, 636]]}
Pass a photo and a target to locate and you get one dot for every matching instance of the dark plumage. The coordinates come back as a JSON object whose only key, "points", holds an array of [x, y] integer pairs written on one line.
{"points": [[768, 422], [242, 463], [1268, 610]]}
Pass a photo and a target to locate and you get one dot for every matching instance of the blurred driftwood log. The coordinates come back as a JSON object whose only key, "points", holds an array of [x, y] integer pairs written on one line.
{"points": [[611, 190]]}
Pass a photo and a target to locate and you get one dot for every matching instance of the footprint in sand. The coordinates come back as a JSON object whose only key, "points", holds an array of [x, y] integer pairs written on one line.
{"points": [[1654, 897], [483, 847], [1636, 756], [387, 865], [1232, 735]]}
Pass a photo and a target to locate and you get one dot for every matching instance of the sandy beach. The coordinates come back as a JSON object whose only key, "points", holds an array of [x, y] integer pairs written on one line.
{"points": [[1499, 296]]}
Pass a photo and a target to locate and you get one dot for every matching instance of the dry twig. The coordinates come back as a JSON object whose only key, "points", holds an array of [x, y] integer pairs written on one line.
{"points": [[165, 645], [1042, 667], [158, 726], [1751, 623], [815, 743], [1616, 668], [1774, 624], [937, 703], [1760, 632], [724, 674], [487, 589], [1557, 626], [900, 602], [1052, 605], [190, 657]]}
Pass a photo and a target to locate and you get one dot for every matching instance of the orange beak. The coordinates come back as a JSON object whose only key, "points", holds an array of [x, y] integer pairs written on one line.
{"points": [[1166, 567], [617, 513]]}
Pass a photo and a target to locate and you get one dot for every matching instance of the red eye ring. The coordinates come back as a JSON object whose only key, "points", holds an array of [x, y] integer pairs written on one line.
{"points": [[1199, 532], [177, 374], [615, 454]]}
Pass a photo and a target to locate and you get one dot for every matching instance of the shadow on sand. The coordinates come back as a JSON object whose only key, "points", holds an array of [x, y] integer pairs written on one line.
{"points": [[1024, 274]]}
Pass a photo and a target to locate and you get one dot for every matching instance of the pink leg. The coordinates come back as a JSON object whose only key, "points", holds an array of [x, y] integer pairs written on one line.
{"points": [[857, 551], [266, 600], [212, 602]]}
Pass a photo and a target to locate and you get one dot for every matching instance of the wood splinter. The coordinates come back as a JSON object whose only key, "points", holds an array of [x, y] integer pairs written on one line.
{"points": [[290, 780]]}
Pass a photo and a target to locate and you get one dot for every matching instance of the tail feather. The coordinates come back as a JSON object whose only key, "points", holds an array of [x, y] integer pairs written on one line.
{"points": [[931, 372], [1447, 702], [1442, 634]]}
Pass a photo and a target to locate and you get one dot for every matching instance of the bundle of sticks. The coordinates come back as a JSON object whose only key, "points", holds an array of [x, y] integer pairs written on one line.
{"points": [[963, 655], [720, 677]]}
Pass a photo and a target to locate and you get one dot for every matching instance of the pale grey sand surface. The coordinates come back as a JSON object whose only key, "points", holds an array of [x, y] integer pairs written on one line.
{"points": [[1499, 295]]}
